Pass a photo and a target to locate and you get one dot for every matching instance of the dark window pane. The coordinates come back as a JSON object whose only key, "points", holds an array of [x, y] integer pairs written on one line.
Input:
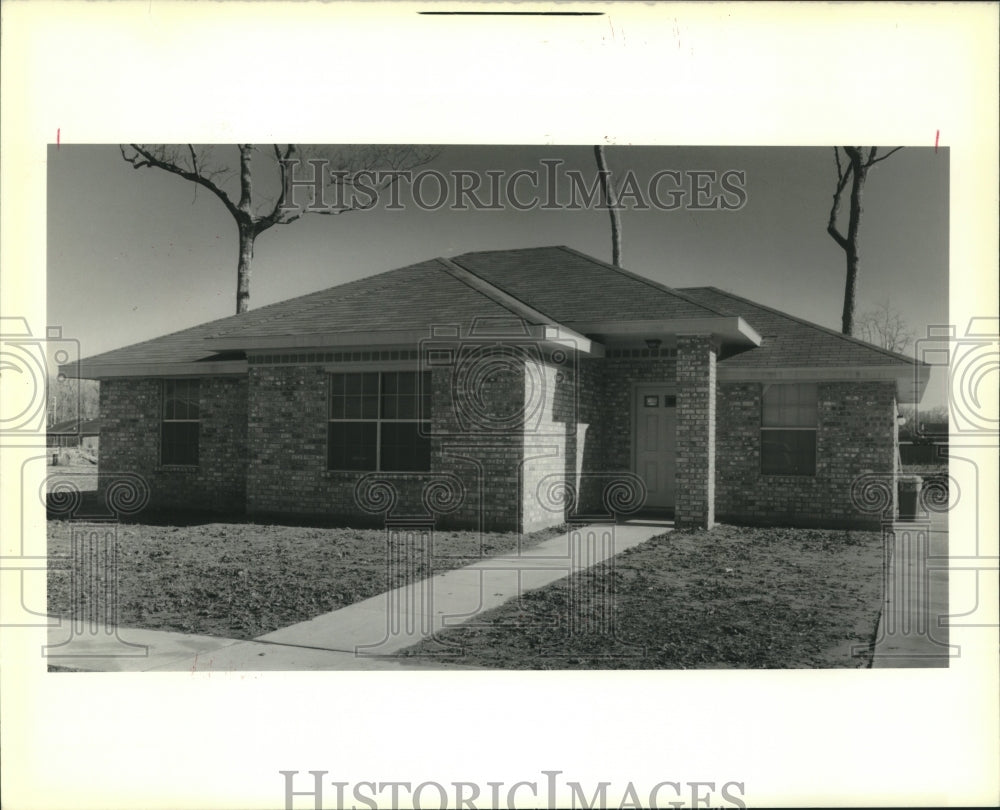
{"points": [[389, 407], [407, 408], [352, 407], [371, 382], [351, 445], [337, 384], [180, 399], [403, 448], [789, 405], [352, 383], [407, 382], [422, 450], [389, 382], [179, 443], [393, 433], [337, 408], [369, 407], [788, 452], [771, 416]]}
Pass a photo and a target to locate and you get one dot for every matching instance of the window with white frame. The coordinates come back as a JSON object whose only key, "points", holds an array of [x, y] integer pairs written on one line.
{"points": [[379, 420], [181, 423], [788, 429]]}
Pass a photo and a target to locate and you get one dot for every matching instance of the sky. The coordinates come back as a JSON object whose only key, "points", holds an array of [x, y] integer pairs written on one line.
{"points": [[134, 254]]}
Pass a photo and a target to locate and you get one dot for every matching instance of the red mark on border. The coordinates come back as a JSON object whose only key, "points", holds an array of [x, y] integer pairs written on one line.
{"points": [[937, 136], [58, 131]]}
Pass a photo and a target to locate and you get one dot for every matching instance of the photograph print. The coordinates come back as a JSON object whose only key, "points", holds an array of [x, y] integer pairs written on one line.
{"points": [[430, 407]]}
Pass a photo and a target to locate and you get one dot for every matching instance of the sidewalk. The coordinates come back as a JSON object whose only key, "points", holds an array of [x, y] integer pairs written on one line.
{"points": [[358, 636], [913, 629]]}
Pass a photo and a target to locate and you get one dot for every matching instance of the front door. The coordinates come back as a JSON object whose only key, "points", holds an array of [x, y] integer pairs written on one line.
{"points": [[655, 434]]}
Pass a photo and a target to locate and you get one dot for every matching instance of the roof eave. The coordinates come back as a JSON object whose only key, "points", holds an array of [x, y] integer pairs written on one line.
{"points": [[555, 334], [727, 329], [911, 380], [85, 370]]}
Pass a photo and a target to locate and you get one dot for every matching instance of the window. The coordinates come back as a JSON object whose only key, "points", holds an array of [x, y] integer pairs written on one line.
{"points": [[180, 428], [380, 421], [788, 430]]}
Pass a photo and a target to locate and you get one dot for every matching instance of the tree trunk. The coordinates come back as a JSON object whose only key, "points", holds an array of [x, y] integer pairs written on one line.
{"points": [[611, 200], [851, 251], [247, 236], [244, 223], [850, 291]]}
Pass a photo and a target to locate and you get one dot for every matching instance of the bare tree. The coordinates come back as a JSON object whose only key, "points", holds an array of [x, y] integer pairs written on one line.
{"points": [[923, 425], [70, 398], [259, 197], [885, 326], [860, 159], [609, 193]]}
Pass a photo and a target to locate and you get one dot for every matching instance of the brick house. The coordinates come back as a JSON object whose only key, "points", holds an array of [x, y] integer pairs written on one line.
{"points": [[502, 389]]}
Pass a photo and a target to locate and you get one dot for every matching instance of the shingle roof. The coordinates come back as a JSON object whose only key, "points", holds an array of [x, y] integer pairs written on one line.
{"points": [[557, 283], [572, 287], [185, 346], [405, 298], [791, 342], [411, 297]]}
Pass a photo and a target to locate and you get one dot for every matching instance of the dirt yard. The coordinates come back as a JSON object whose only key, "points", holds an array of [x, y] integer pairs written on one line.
{"points": [[732, 597], [241, 580]]}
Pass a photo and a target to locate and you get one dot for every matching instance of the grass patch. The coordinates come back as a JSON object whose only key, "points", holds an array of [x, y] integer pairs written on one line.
{"points": [[241, 580], [732, 597]]}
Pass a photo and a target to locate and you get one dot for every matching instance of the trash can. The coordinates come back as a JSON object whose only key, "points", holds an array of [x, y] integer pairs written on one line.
{"points": [[909, 496]]}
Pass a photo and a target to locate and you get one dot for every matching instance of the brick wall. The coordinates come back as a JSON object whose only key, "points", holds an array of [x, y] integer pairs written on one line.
{"points": [[130, 442], [471, 443], [263, 447], [696, 432], [856, 436], [478, 413], [550, 444]]}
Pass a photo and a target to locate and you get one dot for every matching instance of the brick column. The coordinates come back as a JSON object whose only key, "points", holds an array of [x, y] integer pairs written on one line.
{"points": [[695, 504]]}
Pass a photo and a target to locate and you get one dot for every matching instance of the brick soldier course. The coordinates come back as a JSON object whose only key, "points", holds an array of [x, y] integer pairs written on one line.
{"points": [[532, 360]]}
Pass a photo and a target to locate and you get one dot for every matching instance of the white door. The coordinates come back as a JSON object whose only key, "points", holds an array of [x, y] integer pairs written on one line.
{"points": [[655, 435]]}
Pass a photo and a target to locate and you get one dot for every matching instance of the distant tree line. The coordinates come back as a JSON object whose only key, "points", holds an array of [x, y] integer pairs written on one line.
{"points": [[919, 421], [69, 399]]}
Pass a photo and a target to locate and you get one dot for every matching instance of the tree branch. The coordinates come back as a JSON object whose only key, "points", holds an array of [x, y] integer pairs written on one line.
{"points": [[277, 215], [842, 178], [145, 158], [887, 154]]}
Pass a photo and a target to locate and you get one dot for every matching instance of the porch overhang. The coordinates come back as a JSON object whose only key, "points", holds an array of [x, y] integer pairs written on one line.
{"points": [[910, 382], [552, 335], [85, 370], [729, 330]]}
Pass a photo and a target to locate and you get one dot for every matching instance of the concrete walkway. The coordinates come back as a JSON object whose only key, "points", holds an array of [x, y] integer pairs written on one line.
{"points": [[358, 636], [913, 628]]}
